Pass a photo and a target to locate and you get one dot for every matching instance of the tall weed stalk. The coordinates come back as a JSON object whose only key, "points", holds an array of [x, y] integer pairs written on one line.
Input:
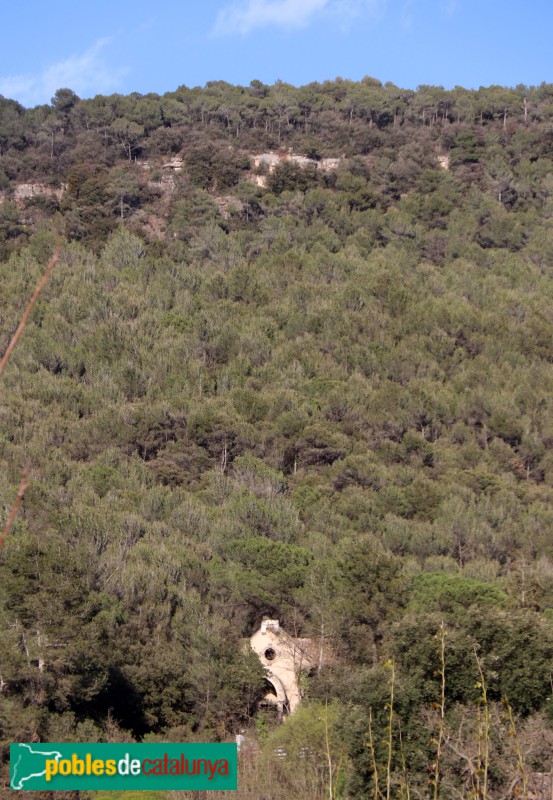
{"points": [[441, 708], [483, 736]]}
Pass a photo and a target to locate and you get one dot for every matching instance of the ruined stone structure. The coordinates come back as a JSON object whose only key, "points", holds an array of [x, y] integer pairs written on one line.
{"points": [[284, 658]]}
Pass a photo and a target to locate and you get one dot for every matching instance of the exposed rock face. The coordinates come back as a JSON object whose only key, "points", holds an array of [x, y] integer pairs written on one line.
{"points": [[269, 160], [175, 164], [24, 190], [265, 161], [272, 160], [227, 205]]}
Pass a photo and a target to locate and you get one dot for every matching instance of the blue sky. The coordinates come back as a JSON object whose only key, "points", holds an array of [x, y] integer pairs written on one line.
{"points": [[102, 47]]}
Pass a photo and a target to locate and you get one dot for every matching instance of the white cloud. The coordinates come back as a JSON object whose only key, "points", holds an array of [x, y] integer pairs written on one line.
{"points": [[449, 7], [346, 11], [246, 16], [86, 74], [407, 16], [411, 10]]}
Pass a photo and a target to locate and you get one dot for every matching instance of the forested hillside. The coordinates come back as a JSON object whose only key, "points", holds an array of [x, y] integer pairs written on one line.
{"points": [[324, 395]]}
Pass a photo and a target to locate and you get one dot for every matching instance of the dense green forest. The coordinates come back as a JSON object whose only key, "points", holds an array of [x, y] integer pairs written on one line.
{"points": [[319, 394]]}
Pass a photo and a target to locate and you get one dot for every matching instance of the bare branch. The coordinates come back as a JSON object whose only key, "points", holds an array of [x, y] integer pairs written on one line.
{"points": [[39, 287], [22, 489], [24, 483]]}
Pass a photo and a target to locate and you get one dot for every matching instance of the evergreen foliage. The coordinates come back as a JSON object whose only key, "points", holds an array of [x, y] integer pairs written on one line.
{"points": [[327, 398]]}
